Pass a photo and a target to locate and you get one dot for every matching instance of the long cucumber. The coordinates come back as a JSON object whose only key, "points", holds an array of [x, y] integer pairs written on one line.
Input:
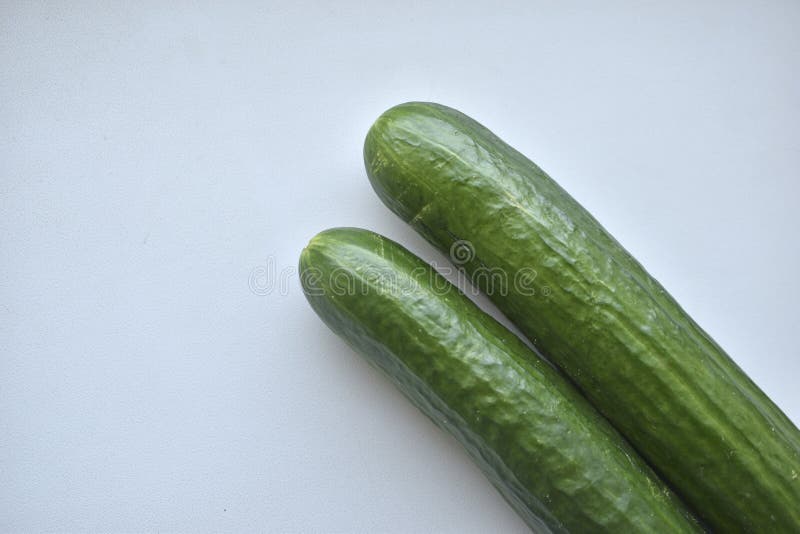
{"points": [[681, 401], [557, 462]]}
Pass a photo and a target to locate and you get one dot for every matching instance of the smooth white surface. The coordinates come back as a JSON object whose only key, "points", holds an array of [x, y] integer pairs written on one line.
{"points": [[152, 158]]}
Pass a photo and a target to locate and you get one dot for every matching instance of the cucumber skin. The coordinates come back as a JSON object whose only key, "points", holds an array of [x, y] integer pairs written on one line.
{"points": [[680, 400], [557, 462]]}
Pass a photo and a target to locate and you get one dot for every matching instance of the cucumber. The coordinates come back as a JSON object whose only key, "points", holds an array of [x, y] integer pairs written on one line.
{"points": [[557, 461], [595, 313]]}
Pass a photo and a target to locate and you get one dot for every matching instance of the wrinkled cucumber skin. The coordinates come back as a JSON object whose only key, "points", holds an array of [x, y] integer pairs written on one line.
{"points": [[688, 409], [558, 462]]}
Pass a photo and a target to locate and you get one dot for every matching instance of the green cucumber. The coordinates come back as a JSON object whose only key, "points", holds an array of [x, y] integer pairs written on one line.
{"points": [[557, 461], [595, 313]]}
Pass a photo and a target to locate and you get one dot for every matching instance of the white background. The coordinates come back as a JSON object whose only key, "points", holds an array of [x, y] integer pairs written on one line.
{"points": [[153, 157]]}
